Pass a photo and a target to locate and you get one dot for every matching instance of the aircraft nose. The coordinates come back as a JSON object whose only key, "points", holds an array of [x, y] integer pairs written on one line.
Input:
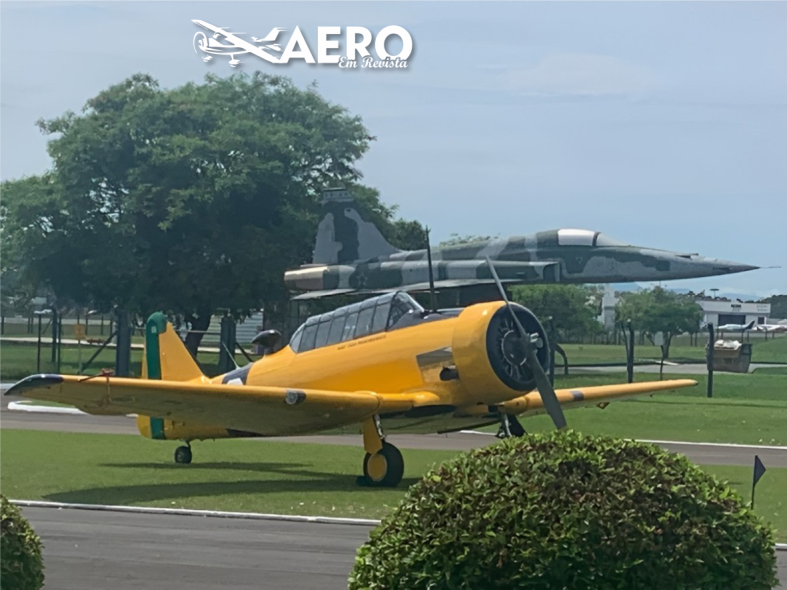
{"points": [[728, 267], [694, 266]]}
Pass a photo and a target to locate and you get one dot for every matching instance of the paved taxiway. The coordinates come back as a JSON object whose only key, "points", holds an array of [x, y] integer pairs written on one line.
{"points": [[86, 550]]}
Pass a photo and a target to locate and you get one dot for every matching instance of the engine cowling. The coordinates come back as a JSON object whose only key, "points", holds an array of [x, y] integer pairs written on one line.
{"points": [[489, 355]]}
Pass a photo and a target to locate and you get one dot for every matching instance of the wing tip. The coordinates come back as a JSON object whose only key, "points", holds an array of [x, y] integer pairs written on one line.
{"points": [[34, 382]]}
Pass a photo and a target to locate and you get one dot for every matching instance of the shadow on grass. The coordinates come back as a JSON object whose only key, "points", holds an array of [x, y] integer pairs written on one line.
{"points": [[290, 468], [152, 492]]}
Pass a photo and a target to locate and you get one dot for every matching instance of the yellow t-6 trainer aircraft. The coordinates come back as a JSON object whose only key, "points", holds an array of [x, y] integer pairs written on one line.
{"points": [[383, 363]]}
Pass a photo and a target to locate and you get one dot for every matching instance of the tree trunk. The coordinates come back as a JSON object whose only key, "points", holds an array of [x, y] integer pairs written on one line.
{"points": [[199, 325]]}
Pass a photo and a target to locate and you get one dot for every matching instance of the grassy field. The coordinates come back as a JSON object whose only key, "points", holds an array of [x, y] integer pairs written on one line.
{"points": [[773, 350], [258, 476], [745, 409]]}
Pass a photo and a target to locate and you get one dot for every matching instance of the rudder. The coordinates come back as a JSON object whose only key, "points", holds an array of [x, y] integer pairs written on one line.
{"points": [[166, 357], [345, 233]]}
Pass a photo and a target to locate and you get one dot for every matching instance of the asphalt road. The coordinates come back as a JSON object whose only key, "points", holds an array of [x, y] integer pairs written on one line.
{"points": [[699, 453], [85, 550]]}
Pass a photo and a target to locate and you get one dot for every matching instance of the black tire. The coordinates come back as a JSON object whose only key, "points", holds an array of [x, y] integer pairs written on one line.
{"points": [[394, 468], [183, 455]]}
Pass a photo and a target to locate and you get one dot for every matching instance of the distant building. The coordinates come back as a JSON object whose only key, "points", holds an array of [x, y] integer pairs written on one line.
{"points": [[721, 311], [608, 302], [717, 311]]}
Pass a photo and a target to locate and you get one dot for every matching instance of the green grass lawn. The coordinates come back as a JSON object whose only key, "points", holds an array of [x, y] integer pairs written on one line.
{"points": [[745, 409], [255, 476]]}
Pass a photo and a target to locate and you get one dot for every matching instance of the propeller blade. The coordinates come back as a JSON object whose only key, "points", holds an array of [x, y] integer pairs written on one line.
{"points": [[545, 389]]}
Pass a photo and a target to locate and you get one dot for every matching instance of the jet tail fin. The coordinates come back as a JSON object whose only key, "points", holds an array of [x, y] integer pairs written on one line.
{"points": [[166, 357], [750, 325], [346, 233]]}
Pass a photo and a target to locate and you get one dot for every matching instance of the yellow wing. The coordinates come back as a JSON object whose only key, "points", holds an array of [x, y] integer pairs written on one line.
{"points": [[269, 411], [585, 396]]}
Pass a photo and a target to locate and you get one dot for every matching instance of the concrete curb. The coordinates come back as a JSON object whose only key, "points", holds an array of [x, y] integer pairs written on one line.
{"points": [[203, 513], [218, 514], [671, 442]]}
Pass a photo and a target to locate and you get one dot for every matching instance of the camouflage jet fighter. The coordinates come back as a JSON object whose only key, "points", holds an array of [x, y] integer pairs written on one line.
{"points": [[351, 255]]}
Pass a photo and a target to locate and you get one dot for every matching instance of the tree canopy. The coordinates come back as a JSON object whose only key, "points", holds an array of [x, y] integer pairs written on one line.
{"points": [[571, 307], [658, 310], [190, 199]]}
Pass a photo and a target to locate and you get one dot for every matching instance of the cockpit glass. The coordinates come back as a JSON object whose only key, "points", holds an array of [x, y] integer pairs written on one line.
{"points": [[605, 240], [575, 237], [400, 307], [354, 321], [364, 326], [337, 328], [349, 325], [309, 335], [322, 331]]}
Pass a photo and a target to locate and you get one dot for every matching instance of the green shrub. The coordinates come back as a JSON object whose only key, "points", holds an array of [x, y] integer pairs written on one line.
{"points": [[20, 552], [563, 510]]}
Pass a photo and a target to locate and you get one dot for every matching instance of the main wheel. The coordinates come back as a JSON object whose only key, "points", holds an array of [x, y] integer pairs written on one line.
{"points": [[183, 455], [383, 469]]}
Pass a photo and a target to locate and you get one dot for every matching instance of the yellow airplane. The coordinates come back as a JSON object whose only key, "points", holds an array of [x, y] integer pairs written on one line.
{"points": [[385, 363]]}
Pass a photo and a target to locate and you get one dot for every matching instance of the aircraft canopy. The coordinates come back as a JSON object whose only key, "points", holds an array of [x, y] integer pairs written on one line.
{"points": [[357, 320]]}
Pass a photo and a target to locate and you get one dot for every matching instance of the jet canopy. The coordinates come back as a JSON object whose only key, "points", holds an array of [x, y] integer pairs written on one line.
{"points": [[364, 318], [585, 237]]}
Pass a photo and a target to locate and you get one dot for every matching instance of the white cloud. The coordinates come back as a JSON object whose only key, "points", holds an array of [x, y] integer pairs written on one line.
{"points": [[579, 75]]}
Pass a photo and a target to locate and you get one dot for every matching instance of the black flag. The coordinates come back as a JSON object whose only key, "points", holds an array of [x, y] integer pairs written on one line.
{"points": [[759, 471]]}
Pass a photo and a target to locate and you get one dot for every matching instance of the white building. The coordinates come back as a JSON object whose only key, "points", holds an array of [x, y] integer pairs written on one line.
{"points": [[719, 312]]}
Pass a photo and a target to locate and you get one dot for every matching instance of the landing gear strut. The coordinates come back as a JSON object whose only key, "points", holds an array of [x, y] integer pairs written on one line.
{"points": [[383, 465], [510, 426], [183, 454]]}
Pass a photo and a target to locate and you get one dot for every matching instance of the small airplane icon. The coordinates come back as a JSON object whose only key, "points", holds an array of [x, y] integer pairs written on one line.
{"points": [[269, 37], [237, 46]]}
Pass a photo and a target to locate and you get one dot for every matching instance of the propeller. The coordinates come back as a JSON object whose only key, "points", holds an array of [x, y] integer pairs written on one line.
{"points": [[545, 389]]}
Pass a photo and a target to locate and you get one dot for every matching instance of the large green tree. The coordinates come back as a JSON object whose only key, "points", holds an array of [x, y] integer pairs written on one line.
{"points": [[191, 200], [571, 307], [658, 310]]}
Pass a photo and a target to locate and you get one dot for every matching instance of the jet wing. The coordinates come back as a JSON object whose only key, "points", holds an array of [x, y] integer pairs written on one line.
{"points": [[453, 283], [585, 396], [319, 294], [269, 411]]}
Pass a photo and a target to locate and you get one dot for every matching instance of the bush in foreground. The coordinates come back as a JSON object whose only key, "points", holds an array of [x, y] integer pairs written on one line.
{"points": [[20, 551], [563, 510]]}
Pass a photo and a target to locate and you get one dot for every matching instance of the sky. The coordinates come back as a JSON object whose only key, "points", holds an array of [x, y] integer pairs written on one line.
{"points": [[660, 124]]}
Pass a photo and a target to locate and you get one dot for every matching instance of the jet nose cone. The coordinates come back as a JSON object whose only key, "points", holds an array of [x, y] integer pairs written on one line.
{"points": [[727, 267]]}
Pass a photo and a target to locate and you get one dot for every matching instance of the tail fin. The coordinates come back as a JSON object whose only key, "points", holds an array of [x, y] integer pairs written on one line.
{"points": [[345, 233], [750, 325], [166, 357]]}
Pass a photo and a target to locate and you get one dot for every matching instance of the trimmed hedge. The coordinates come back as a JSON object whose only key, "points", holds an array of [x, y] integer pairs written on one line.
{"points": [[563, 510], [21, 566]]}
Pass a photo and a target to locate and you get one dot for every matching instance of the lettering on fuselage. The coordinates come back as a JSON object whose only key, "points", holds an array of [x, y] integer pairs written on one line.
{"points": [[353, 343]]}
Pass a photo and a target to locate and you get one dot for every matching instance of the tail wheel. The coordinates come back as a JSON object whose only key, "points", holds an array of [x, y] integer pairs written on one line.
{"points": [[384, 468], [183, 455]]}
